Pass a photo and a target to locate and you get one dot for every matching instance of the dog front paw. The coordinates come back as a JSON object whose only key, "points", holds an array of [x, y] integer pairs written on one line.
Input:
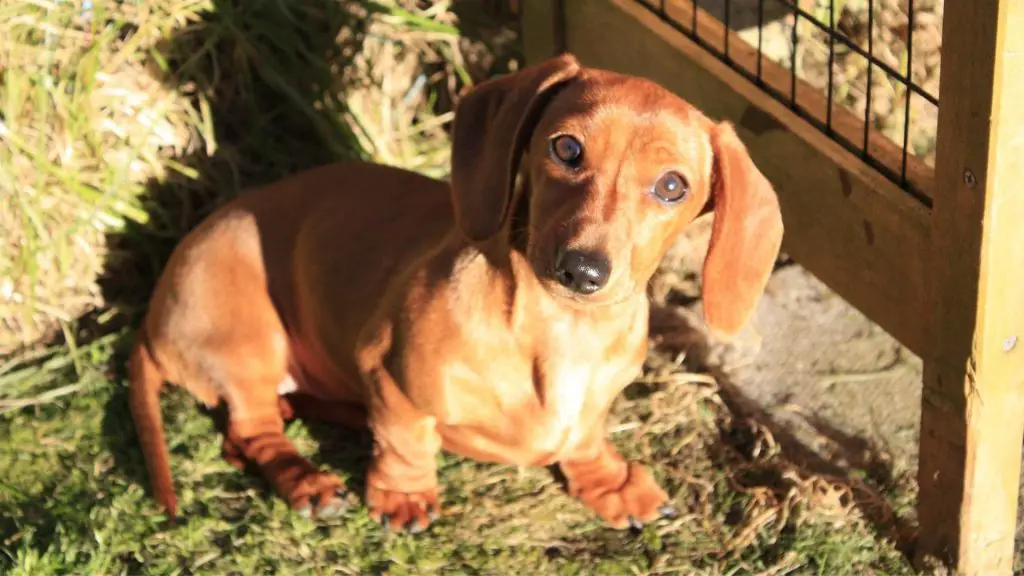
{"points": [[400, 510], [635, 501]]}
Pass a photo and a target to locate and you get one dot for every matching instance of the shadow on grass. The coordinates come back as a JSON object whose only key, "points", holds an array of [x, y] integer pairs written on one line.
{"points": [[865, 473]]}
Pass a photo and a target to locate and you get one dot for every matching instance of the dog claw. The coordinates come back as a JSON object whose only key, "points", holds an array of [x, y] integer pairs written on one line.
{"points": [[403, 512], [332, 510], [668, 511], [316, 507]]}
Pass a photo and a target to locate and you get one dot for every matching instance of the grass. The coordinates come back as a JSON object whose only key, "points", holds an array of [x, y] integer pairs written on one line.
{"points": [[122, 124], [74, 500]]}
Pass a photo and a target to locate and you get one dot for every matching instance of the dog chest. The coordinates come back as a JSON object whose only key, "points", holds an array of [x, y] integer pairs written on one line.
{"points": [[528, 410]]}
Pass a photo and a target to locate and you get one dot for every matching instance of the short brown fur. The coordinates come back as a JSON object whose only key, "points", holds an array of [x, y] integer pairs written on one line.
{"points": [[371, 296]]}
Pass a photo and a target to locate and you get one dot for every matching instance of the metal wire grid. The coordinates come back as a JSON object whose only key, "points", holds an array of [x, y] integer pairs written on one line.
{"points": [[862, 149]]}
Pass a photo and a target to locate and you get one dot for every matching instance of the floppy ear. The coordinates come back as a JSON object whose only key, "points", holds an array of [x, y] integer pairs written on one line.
{"points": [[745, 238], [493, 124]]}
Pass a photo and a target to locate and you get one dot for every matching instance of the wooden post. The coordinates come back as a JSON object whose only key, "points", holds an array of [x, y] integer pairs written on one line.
{"points": [[972, 420], [542, 29]]}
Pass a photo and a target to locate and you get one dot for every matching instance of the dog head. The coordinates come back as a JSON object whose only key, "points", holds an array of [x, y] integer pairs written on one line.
{"points": [[612, 168]]}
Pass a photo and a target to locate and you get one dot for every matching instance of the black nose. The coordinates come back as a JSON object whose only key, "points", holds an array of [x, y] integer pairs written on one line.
{"points": [[582, 272]]}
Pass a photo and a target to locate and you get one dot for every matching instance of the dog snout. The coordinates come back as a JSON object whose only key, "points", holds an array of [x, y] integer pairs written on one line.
{"points": [[582, 272]]}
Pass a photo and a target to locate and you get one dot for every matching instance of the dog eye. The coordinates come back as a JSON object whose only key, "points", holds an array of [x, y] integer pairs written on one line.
{"points": [[567, 150], [671, 187]]}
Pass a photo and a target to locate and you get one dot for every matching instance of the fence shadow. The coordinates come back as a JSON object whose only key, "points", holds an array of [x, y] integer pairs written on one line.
{"points": [[859, 467]]}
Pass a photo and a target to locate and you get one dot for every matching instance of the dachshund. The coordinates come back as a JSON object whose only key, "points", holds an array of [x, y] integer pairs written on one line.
{"points": [[496, 316]]}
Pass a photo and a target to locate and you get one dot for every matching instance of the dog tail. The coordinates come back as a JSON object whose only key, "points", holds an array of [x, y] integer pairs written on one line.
{"points": [[146, 382]]}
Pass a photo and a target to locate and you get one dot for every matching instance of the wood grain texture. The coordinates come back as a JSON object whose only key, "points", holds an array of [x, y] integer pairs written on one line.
{"points": [[972, 420], [540, 23], [846, 223]]}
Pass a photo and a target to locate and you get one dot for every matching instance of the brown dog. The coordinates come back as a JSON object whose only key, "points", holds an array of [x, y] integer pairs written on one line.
{"points": [[497, 317]]}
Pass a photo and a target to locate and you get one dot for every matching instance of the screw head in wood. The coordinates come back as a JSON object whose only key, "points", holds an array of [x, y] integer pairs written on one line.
{"points": [[1009, 344], [970, 179]]}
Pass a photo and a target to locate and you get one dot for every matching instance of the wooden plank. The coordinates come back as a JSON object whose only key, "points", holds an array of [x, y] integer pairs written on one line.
{"points": [[972, 419], [846, 223], [541, 28]]}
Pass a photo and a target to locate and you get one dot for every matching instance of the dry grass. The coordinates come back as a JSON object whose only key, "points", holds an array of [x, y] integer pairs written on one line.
{"points": [[84, 127], [102, 106]]}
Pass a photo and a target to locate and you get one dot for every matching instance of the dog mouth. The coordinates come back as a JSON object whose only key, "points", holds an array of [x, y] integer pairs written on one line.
{"points": [[610, 296]]}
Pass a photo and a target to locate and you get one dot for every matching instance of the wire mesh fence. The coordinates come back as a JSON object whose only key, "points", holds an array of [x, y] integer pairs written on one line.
{"points": [[864, 72]]}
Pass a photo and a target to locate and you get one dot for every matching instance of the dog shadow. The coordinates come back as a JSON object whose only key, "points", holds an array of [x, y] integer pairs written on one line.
{"points": [[859, 467]]}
